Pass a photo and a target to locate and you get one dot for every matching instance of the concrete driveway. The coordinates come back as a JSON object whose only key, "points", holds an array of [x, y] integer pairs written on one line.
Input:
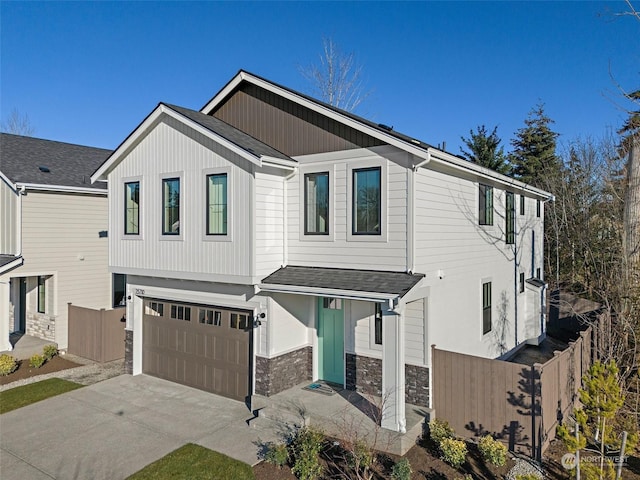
{"points": [[112, 429]]}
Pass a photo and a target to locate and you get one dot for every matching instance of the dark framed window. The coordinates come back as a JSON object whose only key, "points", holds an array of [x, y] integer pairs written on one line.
{"points": [[522, 197], [119, 283], [217, 204], [155, 309], [538, 273], [537, 208], [332, 303], [521, 282], [533, 250], [239, 321], [180, 312], [42, 294], [377, 325], [367, 202], [510, 219], [486, 307], [485, 205], [171, 206], [316, 203], [132, 208]]}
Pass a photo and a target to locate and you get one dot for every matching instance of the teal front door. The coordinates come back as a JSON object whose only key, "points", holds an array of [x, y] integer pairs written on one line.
{"points": [[331, 340]]}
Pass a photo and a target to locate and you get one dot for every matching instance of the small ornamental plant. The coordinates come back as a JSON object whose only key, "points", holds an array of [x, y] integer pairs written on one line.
{"points": [[49, 351], [8, 364], [492, 451], [277, 454], [36, 361], [453, 451], [402, 470], [439, 430]]}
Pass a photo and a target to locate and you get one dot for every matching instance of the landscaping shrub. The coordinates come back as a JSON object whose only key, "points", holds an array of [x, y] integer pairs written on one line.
{"points": [[439, 430], [307, 445], [36, 361], [8, 364], [49, 351], [492, 451], [454, 452], [277, 454], [401, 470]]}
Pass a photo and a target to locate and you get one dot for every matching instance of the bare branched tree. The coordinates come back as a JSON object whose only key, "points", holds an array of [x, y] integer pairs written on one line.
{"points": [[338, 78], [18, 124]]}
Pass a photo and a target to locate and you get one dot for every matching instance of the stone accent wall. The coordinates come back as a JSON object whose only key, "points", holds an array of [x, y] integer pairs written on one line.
{"points": [[128, 351], [41, 325], [416, 385], [364, 374], [273, 375]]}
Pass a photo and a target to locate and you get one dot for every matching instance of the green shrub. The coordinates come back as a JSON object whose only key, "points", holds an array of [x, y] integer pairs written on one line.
{"points": [[307, 445], [8, 364], [361, 457], [492, 451], [36, 361], [49, 351], [454, 452], [439, 430], [277, 454], [401, 470]]}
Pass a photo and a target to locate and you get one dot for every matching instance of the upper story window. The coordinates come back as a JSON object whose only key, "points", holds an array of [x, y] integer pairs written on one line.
{"points": [[171, 206], [537, 208], [485, 205], [217, 204], [510, 219], [367, 202], [132, 208], [486, 307], [522, 197], [316, 203], [42, 294]]}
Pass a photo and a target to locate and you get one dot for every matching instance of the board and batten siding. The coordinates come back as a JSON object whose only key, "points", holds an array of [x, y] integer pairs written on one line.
{"points": [[269, 222], [9, 202], [172, 149]]}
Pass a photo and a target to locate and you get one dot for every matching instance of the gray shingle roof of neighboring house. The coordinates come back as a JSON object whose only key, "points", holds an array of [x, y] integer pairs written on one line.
{"points": [[232, 134], [69, 165], [396, 283]]}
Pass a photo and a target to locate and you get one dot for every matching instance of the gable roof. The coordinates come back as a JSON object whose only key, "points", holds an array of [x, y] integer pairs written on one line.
{"points": [[36, 162]]}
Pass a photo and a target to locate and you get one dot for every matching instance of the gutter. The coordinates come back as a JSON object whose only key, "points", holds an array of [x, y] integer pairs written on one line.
{"points": [[60, 188], [391, 298]]}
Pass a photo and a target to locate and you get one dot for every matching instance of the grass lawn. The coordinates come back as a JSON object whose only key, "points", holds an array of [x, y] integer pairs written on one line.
{"points": [[193, 461], [27, 394]]}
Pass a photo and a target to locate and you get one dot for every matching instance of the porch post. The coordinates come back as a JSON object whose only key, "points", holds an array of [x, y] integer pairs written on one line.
{"points": [[393, 414], [5, 326]]}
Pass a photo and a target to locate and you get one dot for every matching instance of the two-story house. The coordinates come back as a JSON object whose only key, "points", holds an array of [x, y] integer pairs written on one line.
{"points": [[53, 236], [270, 239]]}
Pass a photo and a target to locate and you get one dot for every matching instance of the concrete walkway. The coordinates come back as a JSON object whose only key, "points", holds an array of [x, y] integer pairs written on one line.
{"points": [[26, 345], [111, 429]]}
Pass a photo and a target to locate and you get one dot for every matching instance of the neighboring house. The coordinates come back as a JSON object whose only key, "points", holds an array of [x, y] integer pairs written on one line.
{"points": [[270, 239], [53, 236]]}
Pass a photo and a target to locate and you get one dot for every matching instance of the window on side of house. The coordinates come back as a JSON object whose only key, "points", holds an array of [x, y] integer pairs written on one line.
{"points": [[485, 205], [521, 282], [132, 208], [42, 294], [217, 204], [510, 219], [486, 307], [377, 324], [522, 200], [119, 283], [538, 273], [171, 206], [537, 208], [367, 202], [316, 203]]}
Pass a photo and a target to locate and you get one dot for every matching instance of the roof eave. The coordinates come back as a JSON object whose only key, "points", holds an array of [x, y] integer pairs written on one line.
{"points": [[11, 265], [62, 188], [328, 292]]}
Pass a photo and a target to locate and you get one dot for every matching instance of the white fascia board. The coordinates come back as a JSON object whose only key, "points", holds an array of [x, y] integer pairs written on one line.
{"points": [[11, 185], [114, 159], [62, 188], [290, 165], [11, 265], [328, 292]]}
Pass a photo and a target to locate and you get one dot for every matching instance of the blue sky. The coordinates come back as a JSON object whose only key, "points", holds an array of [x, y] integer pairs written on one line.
{"points": [[89, 72]]}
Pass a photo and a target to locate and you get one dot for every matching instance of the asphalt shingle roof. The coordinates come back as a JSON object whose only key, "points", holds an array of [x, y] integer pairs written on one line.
{"points": [[396, 283], [232, 134], [68, 164]]}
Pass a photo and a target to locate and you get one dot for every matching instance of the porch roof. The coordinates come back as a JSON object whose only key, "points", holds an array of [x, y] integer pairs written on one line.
{"points": [[7, 262], [386, 284]]}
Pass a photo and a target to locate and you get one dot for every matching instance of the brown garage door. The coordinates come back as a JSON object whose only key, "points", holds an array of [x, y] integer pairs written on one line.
{"points": [[205, 347]]}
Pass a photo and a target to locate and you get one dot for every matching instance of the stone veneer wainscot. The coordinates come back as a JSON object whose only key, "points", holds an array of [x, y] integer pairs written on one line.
{"points": [[273, 375]]}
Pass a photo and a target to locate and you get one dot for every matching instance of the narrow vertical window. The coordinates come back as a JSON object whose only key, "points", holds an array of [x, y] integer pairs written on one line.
{"points": [[316, 203], [378, 324], [485, 205], [119, 283], [533, 251], [521, 282], [537, 208], [132, 208], [510, 219], [42, 294], [367, 200], [486, 307], [522, 197], [171, 206], [538, 273], [217, 204]]}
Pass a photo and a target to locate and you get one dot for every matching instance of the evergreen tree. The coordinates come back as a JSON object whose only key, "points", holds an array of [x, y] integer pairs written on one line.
{"points": [[533, 159], [485, 149]]}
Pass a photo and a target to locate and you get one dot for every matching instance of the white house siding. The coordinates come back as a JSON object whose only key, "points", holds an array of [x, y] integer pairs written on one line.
{"points": [[269, 222], [450, 244], [290, 323], [172, 149], [414, 337], [8, 219], [340, 249]]}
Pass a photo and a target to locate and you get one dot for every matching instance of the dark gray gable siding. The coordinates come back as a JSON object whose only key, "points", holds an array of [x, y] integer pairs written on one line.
{"points": [[396, 283]]}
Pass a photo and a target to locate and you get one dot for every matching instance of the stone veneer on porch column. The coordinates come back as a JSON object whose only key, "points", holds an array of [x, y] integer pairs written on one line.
{"points": [[393, 388]]}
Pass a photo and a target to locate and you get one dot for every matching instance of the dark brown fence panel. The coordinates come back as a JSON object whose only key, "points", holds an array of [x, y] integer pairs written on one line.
{"points": [[96, 334]]}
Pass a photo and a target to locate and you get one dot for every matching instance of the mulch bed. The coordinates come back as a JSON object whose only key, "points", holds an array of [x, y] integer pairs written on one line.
{"points": [[56, 364]]}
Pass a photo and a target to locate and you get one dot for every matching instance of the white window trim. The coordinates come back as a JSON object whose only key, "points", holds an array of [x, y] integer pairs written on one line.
{"points": [[230, 204], [484, 336], [304, 170], [121, 208], [494, 191], [183, 198], [384, 194]]}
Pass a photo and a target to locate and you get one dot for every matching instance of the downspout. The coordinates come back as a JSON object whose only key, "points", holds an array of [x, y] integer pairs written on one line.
{"points": [[285, 214], [411, 214]]}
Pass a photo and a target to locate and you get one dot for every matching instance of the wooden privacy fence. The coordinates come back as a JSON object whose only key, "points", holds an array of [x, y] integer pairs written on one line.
{"points": [[96, 334], [520, 405]]}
